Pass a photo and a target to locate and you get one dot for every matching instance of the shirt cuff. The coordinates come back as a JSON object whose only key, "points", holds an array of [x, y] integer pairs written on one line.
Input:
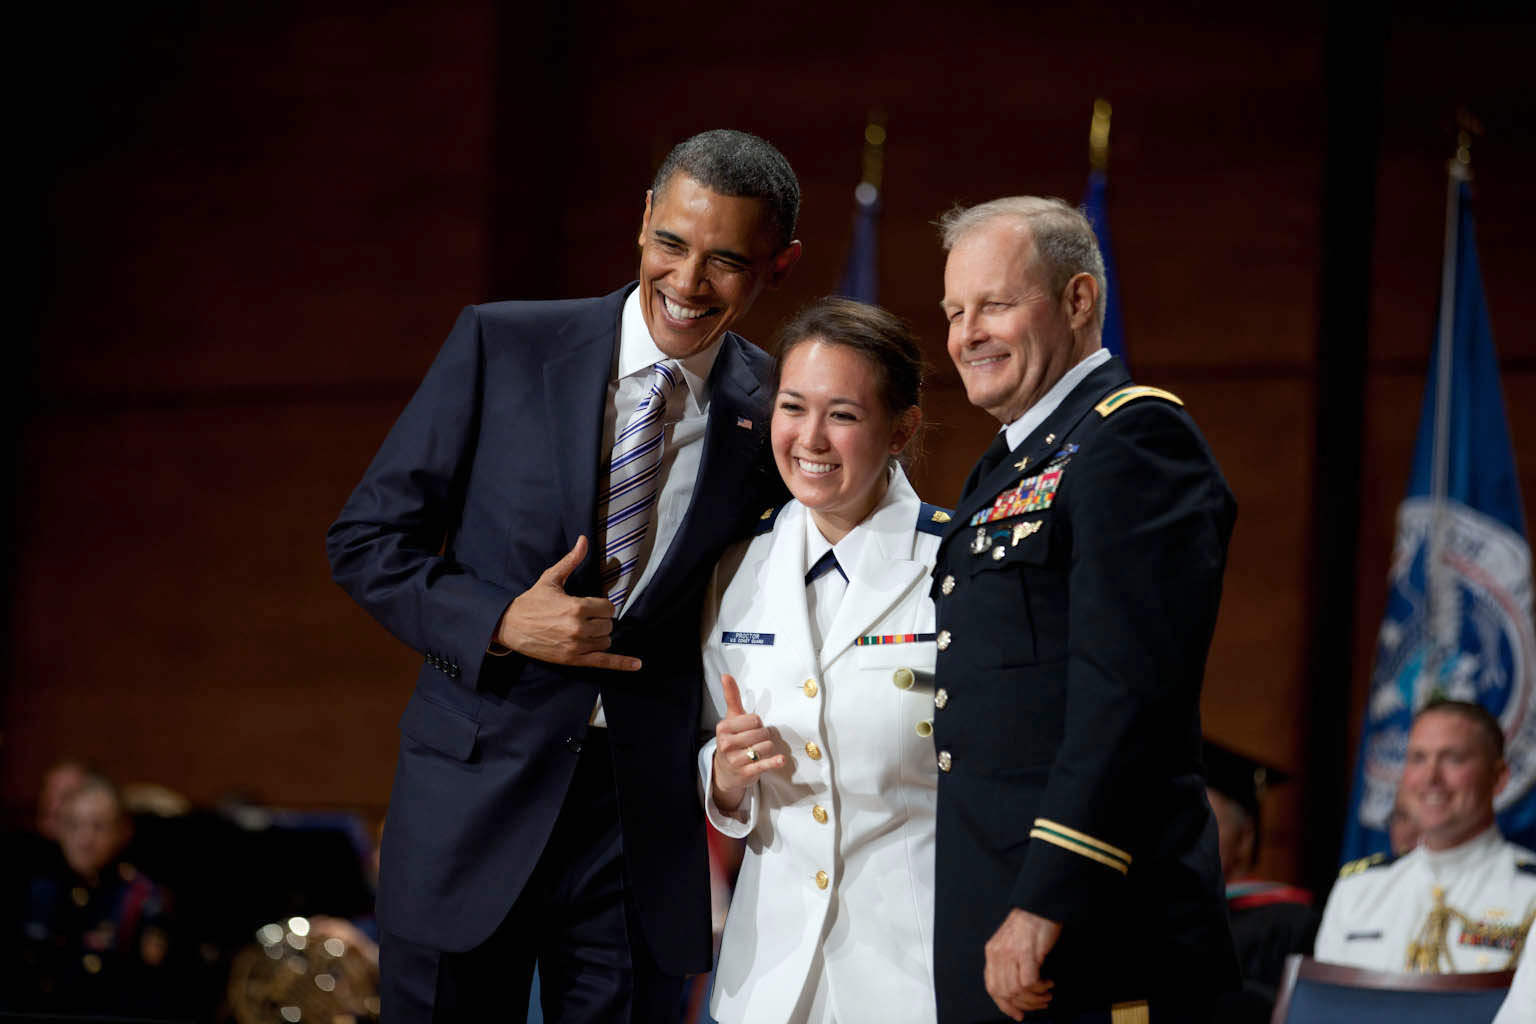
{"points": [[733, 825]]}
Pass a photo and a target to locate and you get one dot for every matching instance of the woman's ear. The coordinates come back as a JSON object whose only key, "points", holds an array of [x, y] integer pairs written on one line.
{"points": [[906, 426]]}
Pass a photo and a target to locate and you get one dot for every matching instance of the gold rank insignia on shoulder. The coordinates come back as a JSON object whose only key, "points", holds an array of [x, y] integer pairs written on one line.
{"points": [[1125, 396], [1354, 867], [767, 514], [940, 516]]}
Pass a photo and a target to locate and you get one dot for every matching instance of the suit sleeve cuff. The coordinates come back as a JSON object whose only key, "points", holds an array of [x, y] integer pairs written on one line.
{"points": [[1082, 844], [1068, 873]]}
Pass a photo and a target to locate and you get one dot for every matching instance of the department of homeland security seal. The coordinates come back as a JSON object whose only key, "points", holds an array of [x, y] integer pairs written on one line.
{"points": [[1473, 642]]}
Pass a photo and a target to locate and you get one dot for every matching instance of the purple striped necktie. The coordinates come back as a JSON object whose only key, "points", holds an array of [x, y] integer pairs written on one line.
{"points": [[627, 507]]}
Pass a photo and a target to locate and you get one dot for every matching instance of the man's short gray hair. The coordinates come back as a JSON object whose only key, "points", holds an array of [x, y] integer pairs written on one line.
{"points": [[1064, 240]]}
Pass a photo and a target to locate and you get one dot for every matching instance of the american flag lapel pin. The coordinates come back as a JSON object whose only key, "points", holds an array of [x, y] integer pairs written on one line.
{"points": [[743, 423]]}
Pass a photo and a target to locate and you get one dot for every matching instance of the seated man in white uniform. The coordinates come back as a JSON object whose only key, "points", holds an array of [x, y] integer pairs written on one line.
{"points": [[1464, 898]]}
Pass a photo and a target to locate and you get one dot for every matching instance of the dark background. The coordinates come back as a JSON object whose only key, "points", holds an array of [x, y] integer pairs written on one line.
{"points": [[246, 227]]}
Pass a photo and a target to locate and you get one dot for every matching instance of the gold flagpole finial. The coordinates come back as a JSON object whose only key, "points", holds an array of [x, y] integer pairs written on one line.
{"points": [[1098, 136], [874, 150]]}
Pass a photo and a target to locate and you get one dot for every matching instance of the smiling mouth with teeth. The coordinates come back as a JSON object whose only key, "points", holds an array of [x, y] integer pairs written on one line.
{"points": [[815, 468], [678, 312]]}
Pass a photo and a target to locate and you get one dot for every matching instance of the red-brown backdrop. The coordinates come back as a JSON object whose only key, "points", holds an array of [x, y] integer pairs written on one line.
{"points": [[254, 239]]}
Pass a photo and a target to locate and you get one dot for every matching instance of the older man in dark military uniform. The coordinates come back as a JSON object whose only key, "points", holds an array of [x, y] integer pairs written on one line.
{"points": [[1077, 868]]}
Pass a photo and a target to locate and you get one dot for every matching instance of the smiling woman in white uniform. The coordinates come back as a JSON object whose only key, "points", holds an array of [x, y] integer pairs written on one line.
{"points": [[818, 655]]}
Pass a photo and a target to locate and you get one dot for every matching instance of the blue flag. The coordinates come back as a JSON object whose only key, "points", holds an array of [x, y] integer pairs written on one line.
{"points": [[1096, 208], [1458, 618], [861, 274]]}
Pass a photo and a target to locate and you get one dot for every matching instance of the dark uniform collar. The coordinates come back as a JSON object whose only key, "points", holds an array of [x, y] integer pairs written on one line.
{"points": [[1044, 439]]}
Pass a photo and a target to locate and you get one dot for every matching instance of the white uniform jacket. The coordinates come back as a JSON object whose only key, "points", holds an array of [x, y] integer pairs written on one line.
{"points": [[832, 917], [1376, 910]]}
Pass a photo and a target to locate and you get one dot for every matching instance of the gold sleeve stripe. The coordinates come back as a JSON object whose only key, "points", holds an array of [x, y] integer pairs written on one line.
{"points": [[1078, 848], [1083, 837], [1127, 395]]}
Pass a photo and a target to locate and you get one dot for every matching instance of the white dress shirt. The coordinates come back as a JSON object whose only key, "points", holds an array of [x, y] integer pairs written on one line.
{"points": [[1035, 415], [686, 417], [825, 592]]}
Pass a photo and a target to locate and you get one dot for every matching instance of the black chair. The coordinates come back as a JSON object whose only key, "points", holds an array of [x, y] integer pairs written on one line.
{"points": [[1319, 993]]}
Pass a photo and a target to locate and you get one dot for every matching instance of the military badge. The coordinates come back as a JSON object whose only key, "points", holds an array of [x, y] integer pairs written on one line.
{"points": [[877, 639], [1023, 530], [1033, 494], [1504, 935], [1064, 453]]}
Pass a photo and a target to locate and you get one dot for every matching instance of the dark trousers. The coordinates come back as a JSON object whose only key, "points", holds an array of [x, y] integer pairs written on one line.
{"points": [[574, 918]]}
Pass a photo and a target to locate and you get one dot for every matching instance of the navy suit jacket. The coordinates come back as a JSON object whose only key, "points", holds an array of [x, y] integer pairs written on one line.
{"points": [[485, 481]]}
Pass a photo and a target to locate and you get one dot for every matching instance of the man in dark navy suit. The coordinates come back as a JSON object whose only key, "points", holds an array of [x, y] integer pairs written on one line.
{"points": [[540, 523], [1077, 873]]}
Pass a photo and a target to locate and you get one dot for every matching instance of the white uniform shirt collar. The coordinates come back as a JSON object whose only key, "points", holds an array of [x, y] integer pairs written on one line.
{"points": [[1035, 415], [847, 550], [889, 526], [1460, 858], [638, 352]]}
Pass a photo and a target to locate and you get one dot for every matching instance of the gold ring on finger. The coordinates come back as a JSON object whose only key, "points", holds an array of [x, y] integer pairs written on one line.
{"points": [[751, 754]]}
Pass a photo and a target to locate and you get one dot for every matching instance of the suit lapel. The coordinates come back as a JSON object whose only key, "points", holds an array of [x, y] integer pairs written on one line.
{"points": [[575, 402], [731, 440], [781, 584], [883, 575], [1041, 443]]}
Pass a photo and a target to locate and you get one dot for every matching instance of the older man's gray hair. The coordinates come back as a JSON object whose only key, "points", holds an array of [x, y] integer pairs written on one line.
{"points": [[1064, 240]]}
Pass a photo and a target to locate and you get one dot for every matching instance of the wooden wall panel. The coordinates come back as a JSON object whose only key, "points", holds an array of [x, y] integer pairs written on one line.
{"points": [[251, 270], [305, 207], [176, 612]]}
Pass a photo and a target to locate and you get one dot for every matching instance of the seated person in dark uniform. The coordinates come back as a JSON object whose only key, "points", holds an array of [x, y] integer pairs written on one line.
{"points": [[94, 929], [1269, 919]]}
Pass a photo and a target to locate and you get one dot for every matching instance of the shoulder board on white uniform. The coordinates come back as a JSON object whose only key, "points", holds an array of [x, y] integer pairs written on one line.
{"points": [[1125, 396], [1375, 860], [933, 519], [1526, 867], [765, 521]]}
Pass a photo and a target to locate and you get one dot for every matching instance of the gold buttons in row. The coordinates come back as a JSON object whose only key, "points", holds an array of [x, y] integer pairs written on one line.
{"points": [[903, 678], [809, 686], [812, 750], [820, 814], [925, 729], [945, 761], [941, 698], [822, 881], [948, 586], [943, 641]]}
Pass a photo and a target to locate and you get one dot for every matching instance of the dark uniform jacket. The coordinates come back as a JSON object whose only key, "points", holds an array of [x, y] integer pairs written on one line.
{"points": [[485, 481], [1076, 596], [1270, 921]]}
